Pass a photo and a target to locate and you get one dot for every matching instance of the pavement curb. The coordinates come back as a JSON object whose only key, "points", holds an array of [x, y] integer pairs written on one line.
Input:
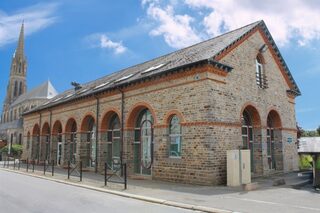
{"points": [[127, 195]]}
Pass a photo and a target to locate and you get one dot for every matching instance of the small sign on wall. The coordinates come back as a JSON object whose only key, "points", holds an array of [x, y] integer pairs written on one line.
{"points": [[289, 140]]}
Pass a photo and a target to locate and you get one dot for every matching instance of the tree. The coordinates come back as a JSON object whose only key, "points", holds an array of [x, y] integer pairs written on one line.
{"points": [[300, 131], [318, 130]]}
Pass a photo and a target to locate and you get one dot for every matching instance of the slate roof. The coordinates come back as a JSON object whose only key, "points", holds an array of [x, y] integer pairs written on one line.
{"points": [[44, 91], [203, 52]]}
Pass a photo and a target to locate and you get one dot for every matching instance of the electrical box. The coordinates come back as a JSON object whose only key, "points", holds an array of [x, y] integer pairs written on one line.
{"points": [[238, 167]]}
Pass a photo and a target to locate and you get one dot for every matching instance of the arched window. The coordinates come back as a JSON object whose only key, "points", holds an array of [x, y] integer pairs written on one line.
{"points": [[20, 139], [20, 88], [143, 150], [247, 133], [175, 137], [15, 90], [28, 140], [260, 72], [20, 67], [71, 138], [270, 143], [91, 129], [114, 140], [15, 114]]}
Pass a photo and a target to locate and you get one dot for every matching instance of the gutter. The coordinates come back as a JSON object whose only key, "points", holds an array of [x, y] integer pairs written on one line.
{"points": [[122, 125], [39, 137], [97, 132], [50, 135]]}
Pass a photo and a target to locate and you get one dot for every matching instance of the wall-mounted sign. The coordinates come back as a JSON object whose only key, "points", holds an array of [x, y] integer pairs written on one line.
{"points": [[289, 140]]}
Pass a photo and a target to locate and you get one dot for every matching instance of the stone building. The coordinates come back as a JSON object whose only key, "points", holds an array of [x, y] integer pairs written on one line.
{"points": [[18, 100], [173, 118]]}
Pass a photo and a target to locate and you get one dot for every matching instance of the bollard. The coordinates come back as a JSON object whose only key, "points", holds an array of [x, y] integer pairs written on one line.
{"points": [[33, 162], [52, 169], [27, 164], [80, 170], [68, 169], [125, 175], [18, 164], [14, 163], [8, 161]]}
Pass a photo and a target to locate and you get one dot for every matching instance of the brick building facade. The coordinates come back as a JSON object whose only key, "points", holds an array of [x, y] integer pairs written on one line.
{"points": [[174, 117]]}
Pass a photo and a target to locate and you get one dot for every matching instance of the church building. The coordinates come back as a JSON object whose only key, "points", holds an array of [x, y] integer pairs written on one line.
{"points": [[173, 118], [18, 100]]}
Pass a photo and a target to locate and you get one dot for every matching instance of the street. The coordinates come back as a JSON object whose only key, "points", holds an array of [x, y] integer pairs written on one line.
{"points": [[21, 193]]}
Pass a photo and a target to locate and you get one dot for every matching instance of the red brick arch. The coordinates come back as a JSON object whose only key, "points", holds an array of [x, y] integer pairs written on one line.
{"points": [[36, 130], [254, 113], [276, 119], [55, 128], [45, 129], [134, 112], [171, 113], [68, 127], [84, 122], [107, 116]]}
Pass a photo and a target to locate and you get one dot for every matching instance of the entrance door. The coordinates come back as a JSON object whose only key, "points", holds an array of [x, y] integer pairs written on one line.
{"points": [[59, 153]]}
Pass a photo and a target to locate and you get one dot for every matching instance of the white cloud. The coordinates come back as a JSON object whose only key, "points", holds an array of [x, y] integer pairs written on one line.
{"points": [[287, 20], [105, 42], [35, 18], [102, 41], [176, 29]]}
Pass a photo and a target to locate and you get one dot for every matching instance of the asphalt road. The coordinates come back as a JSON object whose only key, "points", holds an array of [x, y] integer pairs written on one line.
{"points": [[21, 193]]}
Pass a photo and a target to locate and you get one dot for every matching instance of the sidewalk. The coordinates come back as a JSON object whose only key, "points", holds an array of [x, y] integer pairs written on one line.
{"points": [[266, 198]]}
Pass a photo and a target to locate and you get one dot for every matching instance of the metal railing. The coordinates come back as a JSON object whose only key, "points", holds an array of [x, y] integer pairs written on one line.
{"points": [[114, 173], [117, 178], [75, 170]]}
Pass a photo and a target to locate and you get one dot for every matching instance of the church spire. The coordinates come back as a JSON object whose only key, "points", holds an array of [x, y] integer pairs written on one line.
{"points": [[18, 72], [20, 48]]}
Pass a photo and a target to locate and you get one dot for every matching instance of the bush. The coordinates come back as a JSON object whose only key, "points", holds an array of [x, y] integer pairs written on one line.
{"points": [[305, 162], [16, 150]]}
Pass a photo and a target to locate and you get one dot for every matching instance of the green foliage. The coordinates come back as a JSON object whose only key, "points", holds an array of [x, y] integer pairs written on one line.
{"points": [[305, 162], [310, 133], [16, 150]]}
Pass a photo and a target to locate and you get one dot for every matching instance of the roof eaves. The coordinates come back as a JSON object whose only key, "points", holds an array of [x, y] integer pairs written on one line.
{"points": [[210, 61], [282, 61]]}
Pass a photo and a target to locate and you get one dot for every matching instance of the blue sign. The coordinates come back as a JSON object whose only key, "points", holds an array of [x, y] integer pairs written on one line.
{"points": [[289, 140]]}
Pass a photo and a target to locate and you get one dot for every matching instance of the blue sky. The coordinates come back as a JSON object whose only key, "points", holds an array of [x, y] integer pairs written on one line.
{"points": [[81, 40]]}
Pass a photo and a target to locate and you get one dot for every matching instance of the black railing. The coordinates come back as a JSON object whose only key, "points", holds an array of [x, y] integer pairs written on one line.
{"points": [[113, 173], [32, 164], [75, 169], [113, 176], [47, 167]]}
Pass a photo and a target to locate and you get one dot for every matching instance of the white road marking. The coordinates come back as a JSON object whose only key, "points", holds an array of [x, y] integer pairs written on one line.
{"points": [[273, 203]]}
